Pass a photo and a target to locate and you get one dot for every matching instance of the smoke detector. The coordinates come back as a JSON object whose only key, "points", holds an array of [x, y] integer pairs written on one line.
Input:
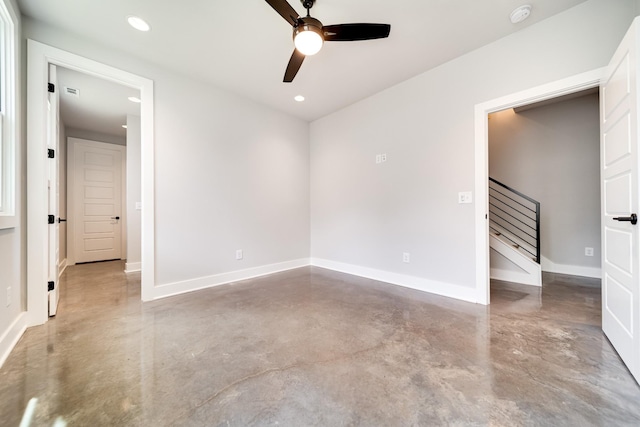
{"points": [[519, 14]]}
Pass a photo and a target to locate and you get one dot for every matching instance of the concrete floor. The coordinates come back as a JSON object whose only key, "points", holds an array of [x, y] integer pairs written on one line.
{"points": [[315, 347]]}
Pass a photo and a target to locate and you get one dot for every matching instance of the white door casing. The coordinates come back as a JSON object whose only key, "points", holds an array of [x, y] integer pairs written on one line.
{"points": [[620, 160], [39, 56], [53, 191], [96, 177]]}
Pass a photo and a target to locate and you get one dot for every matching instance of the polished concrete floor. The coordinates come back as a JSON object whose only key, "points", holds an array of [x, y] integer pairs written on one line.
{"points": [[315, 347]]}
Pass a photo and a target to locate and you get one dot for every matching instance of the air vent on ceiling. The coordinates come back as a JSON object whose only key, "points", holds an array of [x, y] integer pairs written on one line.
{"points": [[71, 91]]}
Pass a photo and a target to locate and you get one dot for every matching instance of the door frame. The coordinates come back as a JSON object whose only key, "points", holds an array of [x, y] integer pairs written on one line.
{"points": [[566, 86], [39, 56], [71, 142]]}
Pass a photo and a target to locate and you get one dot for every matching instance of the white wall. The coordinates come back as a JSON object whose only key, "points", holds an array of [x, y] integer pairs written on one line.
{"points": [[552, 153], [367, 215], [12, 244], [230, 174], [62, 200], [134, 194]]}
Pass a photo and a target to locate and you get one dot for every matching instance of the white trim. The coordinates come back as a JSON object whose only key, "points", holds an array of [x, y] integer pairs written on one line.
{"points": [[12, 335], [549, 266], [132, 267], [555, 89], [514, 277], [39, 56], [425, 285], [10, 117], [177, 288], [530, 274]]}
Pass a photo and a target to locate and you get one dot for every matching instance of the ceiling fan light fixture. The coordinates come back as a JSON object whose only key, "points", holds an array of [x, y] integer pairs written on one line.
{"points": [[307, 36]]}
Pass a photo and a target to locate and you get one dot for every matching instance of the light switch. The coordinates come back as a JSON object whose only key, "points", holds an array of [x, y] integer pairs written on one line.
{"points": [[465, 197], [138, 206]]}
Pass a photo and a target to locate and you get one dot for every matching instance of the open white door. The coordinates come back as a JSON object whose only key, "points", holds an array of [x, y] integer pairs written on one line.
{"points": [[53, 192], [620, 162]]}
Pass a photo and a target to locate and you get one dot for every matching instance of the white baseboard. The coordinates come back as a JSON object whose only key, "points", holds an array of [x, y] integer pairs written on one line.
{"points": [[11, 336], [516, 277], [426, 285], [177, 288], [572, 270], [132, 267]]}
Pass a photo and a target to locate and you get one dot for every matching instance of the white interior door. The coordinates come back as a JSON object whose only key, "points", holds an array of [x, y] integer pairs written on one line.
{"points": [[620, 160], [96, 178], [53, 192]]}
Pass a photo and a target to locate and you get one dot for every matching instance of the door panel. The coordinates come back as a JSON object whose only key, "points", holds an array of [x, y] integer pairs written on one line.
{"points": [[619, 179], [53, 192], [97, 199]]}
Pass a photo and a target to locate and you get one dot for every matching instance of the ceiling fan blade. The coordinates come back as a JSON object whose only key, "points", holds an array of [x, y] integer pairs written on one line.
{"points": [[285, 10], [352, 32], [294, 65]]}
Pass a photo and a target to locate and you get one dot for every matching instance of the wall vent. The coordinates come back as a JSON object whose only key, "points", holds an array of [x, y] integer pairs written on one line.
{"points": [[71, 91]]}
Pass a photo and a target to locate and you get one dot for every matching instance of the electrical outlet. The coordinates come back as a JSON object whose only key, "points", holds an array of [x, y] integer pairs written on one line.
{"points": [[8, 296], [406, 257], [239, 254], [378, 158], [588, 251], [383, 157]]}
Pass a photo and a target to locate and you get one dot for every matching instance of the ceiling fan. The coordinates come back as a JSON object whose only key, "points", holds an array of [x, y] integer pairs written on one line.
{"points": [[309, 34]]}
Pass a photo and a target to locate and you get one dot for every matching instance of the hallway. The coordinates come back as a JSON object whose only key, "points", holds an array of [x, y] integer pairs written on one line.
{"points": [[315, 347]]}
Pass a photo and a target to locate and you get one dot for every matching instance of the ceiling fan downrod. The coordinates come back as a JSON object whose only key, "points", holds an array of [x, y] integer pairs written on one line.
{"points": [[307, 4]]}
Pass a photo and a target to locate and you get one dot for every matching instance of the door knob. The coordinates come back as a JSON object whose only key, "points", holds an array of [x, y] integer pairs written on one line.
{"points": [[633, 219], [117, 217]]}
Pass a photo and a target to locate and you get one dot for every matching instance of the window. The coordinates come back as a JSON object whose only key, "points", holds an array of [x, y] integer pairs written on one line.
{"points": [[8, 114]]}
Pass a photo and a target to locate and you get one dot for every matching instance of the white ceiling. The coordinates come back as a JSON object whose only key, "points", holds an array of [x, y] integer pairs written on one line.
{"points": [[102, 106], [244, 46]]}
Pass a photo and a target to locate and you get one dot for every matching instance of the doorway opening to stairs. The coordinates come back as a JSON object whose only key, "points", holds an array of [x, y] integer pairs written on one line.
{"points": [[544, 189]]}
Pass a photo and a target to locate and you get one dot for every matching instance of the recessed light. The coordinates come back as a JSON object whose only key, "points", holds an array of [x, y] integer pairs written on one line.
{"points": [[134, 99], [138, 23], [299, 98], [519, 14], [124, 126]]}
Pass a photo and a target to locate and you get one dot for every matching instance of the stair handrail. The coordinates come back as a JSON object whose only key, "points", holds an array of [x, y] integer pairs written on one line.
{"points": [[535, 211]]}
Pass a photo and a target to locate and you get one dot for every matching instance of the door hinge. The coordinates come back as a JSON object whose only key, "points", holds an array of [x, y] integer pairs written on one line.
{"points": [[51, 153], [51, 285], [51, 87], [51, 219]]}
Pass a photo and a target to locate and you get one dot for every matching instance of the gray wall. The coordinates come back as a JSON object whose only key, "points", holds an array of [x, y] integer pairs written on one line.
{"points": [[230, 173], [552, 153], [134, 193], [62, 200], [363, 214], [95, 136]]}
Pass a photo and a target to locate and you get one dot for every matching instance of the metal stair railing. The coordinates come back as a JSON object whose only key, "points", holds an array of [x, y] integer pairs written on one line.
{"points": [[516, 217]]}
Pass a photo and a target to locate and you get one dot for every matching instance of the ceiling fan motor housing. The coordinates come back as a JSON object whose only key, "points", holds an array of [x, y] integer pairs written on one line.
{"points": [[308, 24]]}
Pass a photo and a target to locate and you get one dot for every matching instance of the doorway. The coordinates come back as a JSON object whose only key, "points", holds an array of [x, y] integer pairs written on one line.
{"points": [[552, 90], [550, 152], [40, 56]]}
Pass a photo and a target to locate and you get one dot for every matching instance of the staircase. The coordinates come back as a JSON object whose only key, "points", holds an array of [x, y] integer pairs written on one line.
{"points": [[514, 235]]}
